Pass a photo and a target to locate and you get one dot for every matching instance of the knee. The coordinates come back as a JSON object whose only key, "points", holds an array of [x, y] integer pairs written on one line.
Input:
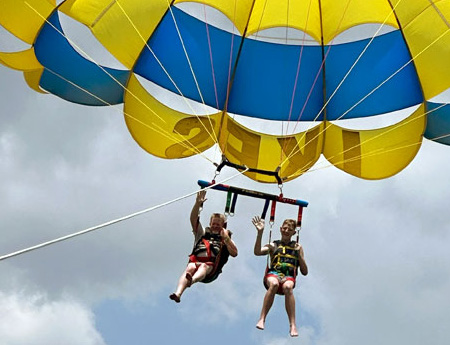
{"points": [[203, 266], [190, 268], [288, 289], [272, 285]]}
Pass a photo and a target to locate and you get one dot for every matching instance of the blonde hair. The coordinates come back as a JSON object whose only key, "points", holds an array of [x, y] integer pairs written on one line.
{"points": [[291, 223], [219, 215]]}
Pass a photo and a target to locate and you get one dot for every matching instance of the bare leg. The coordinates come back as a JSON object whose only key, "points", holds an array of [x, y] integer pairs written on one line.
{"points": [[201, 273], [268, 300], [183, 282], [288, 289]]}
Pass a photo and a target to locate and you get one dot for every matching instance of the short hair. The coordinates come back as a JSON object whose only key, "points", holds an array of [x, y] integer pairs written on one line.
{"points": [[219, 215], [290, 222]]}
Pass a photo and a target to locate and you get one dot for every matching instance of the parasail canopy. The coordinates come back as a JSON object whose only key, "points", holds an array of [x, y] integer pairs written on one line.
{"points": [[289, 61]]}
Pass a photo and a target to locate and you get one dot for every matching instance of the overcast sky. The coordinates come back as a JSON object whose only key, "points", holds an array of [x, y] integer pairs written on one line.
{"points": [[377, 251]]}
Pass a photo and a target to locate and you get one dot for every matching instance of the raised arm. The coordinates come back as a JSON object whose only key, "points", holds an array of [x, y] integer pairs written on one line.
{"points": [[196, 209], [258, 250]]}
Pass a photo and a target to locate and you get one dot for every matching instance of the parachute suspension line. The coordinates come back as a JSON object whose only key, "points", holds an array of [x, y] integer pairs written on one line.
{"points": [[156, 58], [441, 136], [286, 30], [186, 54], [211, 57], [283, 150], [230, 64], [384, 150], [369, 154], [229, 80], [187, 144], [81, 50], [377, 152], [232, 69], [111, 222], [157, 129], [163, 132], [211, 134], [303, 40], [216, 139], [85, 54], [386, 80], [298, 149], [260, 19], [231, 54], [357, 60], [322, 65], [322, 68]]}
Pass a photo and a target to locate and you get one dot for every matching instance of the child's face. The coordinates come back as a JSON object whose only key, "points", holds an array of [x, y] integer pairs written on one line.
{"points": [[287, 230], [216, 224]]}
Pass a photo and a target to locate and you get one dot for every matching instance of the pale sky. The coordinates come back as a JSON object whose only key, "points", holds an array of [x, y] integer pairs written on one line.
{"points": [[377, 251]]}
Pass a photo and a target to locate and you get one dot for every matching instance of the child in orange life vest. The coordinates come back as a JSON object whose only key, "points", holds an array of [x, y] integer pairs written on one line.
{"points": [[212, 246], [285, 257]]}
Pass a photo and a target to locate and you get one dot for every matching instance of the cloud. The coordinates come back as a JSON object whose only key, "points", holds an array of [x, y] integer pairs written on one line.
{"points": [[34, 320]]}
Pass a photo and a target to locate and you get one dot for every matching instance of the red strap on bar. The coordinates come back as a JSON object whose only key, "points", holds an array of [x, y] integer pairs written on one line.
{"points": [[300, 215], [272, 211]]}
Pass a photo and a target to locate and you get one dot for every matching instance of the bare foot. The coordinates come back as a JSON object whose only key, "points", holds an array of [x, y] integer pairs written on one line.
{"points": [[260, 325], [293, 331], [175, 297]]}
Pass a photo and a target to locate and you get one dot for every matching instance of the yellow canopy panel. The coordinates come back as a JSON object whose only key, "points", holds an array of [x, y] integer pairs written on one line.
{"points": [[301, 15], [123, 27], [32, 78], [378, 153], [426, 29], [23, 61], [24, 18], [294, 153], [338, 16], [165, 132], [237, 11]]}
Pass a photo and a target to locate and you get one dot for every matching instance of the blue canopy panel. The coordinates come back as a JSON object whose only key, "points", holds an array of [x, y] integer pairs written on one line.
{"points": [[438, 123], [72, 77], [266, 79], [385, 55], [167, 48]]}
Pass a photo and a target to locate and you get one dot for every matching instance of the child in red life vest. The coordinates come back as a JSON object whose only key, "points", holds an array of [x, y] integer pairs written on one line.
{"points": [[212, 246], [286, 256]]}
